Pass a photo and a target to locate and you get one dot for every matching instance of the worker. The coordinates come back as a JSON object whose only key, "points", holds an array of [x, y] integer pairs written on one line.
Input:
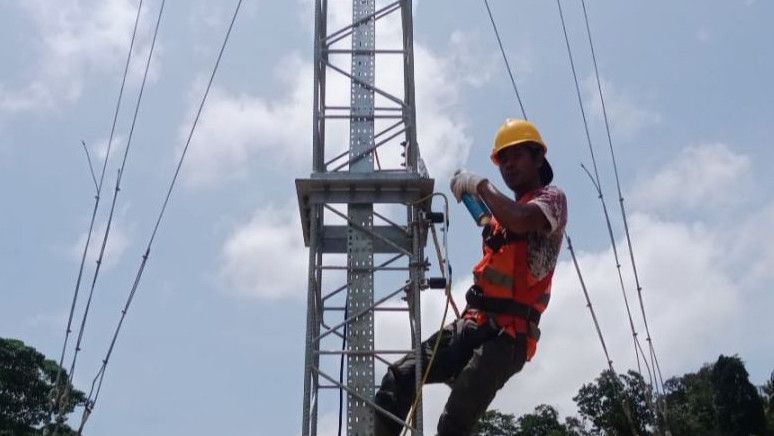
{"points": [[498, 330]]}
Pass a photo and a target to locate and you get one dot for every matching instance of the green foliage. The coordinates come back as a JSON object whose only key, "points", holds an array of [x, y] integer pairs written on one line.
{"points": [[602, 403], [63, 430], [495, 423], [690, 404], [576, 427], [27, 379], [717, 400], [767, 391], [543, 421], [739, 408]]}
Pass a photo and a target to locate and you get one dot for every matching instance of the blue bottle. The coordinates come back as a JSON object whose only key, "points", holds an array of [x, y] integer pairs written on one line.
{"points": [[477, 209]]}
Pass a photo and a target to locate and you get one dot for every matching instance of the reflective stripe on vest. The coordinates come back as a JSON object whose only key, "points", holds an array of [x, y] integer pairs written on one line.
{"points": [[497, 278]]}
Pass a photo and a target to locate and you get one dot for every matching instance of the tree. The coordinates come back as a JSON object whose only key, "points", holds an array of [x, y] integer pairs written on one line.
{"points": [[27, 379], [602, 403], [716, 400], [543, 421], [767, 391], [495, 423], [739, 408], [576, 427], [690, 404]]}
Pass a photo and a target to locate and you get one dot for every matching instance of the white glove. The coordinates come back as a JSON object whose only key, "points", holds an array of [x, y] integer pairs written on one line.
{"points": [[464, 181]]}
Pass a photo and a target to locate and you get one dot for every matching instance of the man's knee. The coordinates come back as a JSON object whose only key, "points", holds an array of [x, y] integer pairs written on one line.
{"points": [[399, 378], [395, 396], [488, 370], [387, 395], [451, 425]]}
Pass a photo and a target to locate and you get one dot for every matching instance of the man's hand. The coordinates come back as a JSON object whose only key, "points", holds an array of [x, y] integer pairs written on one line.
{"points": [[464, 181]]}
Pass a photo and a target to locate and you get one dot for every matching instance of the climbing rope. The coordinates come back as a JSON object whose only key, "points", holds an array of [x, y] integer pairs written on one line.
{"points": [[505, 58], [598, 187], [116, 191], [98, 379], [649, 338], [411, 416], [624, 403], [657, 375], [652, 367], [446, 271], [58, 397]]}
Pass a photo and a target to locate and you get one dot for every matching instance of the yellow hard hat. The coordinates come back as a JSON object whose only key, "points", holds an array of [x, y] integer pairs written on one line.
{"points": [[516, 131]]}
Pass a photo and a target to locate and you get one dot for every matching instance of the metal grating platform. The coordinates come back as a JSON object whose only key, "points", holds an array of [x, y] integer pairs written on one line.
{"points": [[349, 188]]}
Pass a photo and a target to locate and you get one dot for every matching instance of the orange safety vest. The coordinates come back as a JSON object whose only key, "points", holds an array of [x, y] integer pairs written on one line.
{"points": [[515, 297]]}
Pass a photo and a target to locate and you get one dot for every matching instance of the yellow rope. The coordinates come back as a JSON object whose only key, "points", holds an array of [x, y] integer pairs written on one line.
{"points": [[449, 301], [418, 394]]}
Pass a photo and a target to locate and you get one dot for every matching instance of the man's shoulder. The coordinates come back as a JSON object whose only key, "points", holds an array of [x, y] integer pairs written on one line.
{"points": [[550, 193], [553, 203], [552, 189]]}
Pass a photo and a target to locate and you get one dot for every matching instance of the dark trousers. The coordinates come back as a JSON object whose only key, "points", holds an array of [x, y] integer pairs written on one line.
{"points": [[475, 361]]}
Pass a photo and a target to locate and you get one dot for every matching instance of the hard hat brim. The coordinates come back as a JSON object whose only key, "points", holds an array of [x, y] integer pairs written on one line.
{"points": [[493, 156]]}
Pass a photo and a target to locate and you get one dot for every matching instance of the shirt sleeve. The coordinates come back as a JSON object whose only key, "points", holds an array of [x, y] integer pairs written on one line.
{"points": [[553, 203]]}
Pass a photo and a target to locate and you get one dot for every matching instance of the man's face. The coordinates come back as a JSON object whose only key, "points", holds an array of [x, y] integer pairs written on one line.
{"points": [[519, 168]]}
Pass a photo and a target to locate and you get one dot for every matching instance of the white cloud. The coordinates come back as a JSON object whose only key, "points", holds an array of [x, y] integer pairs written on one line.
{"points": [[750, 246], [98, 152], [442, 130], [627, 115], [266, 258], [697, 177], [75, 39], [117, 244], [475, 66], [237, 130], [207, 22]]}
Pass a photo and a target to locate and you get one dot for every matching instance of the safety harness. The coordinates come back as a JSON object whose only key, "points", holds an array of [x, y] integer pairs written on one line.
{"points": [[505, 291]]}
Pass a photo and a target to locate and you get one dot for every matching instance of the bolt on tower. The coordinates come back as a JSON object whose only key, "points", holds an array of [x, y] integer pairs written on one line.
{"points": [[363, 211]]}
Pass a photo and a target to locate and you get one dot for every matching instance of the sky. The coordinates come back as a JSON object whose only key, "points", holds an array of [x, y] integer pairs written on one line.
{"points": [[214, 340]]}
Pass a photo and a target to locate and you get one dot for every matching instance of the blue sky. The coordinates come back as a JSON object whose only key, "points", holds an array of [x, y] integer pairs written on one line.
{"points": [[214, 340]]}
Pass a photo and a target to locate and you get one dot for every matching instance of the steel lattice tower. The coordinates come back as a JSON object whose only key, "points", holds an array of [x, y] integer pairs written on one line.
{"points": [[380, 166]]}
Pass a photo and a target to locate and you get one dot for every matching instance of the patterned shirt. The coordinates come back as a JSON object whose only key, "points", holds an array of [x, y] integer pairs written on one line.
{"points": [[544, 247]]}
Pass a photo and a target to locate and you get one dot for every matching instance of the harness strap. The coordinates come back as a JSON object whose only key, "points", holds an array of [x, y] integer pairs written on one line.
{"points": [[504, 306]]}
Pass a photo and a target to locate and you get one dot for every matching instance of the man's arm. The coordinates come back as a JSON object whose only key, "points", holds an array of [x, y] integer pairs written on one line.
{"points": [[517, 218]]}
